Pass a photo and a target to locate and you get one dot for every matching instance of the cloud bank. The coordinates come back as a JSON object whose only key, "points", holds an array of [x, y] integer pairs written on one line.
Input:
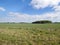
{"points": [[18, 17]]}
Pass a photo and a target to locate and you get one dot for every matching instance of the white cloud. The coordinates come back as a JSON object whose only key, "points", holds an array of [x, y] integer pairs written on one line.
{"points": [[53, 16], [2, 9], [18, 17], [44, 3], [57, 8]]}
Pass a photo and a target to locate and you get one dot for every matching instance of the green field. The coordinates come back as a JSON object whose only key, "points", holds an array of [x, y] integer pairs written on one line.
{"points": [[29, 34]]}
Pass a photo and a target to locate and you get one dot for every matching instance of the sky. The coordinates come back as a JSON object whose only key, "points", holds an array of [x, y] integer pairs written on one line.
{"points": [[29, 10]]}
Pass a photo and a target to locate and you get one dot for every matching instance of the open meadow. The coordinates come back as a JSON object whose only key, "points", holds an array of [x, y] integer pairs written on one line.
{"points": [[29, 34]]}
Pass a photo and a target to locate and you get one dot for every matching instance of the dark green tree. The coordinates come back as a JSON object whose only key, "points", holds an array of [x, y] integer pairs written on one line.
{"points": [[42, 22]]}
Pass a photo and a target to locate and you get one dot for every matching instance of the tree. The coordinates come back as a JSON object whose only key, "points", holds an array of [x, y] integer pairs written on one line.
{"points": [[42, 22]]}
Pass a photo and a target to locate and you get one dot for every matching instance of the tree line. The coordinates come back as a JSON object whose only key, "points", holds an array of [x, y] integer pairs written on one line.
{"points": [[42, 22]]}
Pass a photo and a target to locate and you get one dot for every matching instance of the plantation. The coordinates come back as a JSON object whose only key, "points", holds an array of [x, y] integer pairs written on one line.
{"points": [[29, 34]]}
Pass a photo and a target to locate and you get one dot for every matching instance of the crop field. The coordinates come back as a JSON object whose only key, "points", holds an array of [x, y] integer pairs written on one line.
{"points": [[29, 34]]}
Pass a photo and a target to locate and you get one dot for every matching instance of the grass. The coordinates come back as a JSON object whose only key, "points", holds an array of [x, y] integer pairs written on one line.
{"points": [[29, 34]]}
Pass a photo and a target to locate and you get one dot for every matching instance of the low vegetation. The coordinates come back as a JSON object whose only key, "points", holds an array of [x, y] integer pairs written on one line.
{"points": [[29, 34]]}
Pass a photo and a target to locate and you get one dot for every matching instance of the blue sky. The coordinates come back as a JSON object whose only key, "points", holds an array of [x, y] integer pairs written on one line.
{"points": [[29, 10]]}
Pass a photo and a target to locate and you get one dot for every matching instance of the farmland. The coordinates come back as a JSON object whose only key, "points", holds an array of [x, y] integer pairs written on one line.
{"points": [[29, 34]]}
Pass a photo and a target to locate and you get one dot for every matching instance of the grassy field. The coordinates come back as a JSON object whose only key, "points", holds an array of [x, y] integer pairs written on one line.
{"points": [[29, 34]]}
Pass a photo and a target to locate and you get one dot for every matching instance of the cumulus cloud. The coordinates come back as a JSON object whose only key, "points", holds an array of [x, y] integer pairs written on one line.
{"points": [[57, 8], [2, 9], [18, 17], [44, 3], [38, 4]]}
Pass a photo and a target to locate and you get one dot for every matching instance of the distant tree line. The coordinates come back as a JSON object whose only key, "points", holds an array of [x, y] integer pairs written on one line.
{"points": [[42, 22]]}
